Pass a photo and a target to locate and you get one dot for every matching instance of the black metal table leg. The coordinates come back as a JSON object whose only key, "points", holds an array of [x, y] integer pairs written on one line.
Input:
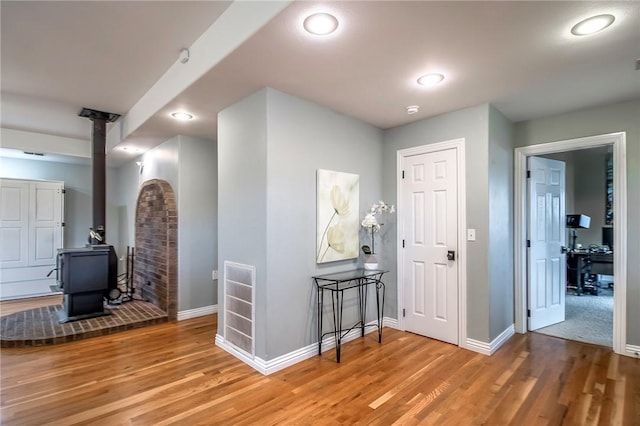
{"points": [[337, 299], [380, 306], [320, 306], [362, 299]]}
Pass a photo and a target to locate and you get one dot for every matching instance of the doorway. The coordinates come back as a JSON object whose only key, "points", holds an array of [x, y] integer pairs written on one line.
{"points": [[431, 254], [617, 142]]}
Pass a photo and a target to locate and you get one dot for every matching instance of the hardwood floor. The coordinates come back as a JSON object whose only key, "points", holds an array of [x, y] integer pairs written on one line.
{"points": [[174, 374], [12, 306]]}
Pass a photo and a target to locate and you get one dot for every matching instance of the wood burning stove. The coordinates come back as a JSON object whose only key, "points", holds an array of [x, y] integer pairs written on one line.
{"points": [[85, 276]]}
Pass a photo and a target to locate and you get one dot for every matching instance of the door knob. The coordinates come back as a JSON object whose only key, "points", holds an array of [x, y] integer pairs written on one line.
{"points": [[451, 255]]}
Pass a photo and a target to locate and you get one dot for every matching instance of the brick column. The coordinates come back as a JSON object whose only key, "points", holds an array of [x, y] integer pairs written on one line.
{"points": [[156, 236]]}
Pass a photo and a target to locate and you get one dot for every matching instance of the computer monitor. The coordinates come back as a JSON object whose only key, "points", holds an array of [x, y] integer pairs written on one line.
{"points": [[607, 237]]}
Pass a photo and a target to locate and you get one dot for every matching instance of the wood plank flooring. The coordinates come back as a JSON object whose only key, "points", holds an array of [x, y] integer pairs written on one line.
{"points": [[17, 305], [174, 374]]}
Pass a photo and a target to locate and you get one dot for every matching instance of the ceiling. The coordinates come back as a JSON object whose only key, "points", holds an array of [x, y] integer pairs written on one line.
{"points": [[57, 57]]}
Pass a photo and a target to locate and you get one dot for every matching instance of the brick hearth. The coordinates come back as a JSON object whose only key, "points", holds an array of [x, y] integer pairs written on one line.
{"points": [[39, 326]]}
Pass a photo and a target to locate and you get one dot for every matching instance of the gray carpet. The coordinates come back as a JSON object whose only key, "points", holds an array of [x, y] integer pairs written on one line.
{"points": [[588, 319]]}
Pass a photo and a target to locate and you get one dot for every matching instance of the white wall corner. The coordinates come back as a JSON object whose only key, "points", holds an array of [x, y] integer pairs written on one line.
{"points": [[491, 347], [197, 312]]}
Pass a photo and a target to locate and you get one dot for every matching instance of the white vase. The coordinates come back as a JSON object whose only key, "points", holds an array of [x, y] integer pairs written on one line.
{"points": [[370, 262]]}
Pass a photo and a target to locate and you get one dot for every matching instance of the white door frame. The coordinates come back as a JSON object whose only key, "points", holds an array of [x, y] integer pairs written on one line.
{"points": [[461, 254], [618, 141]]}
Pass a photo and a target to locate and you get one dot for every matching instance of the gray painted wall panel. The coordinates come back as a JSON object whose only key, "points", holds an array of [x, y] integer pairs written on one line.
{"points": [[197, 223], [293, 138], [242, 199], [304, 137], [473, 125], [501, 291]]}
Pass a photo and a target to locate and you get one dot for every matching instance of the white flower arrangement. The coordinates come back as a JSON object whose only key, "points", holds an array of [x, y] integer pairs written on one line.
{"points": [[370, 222]]}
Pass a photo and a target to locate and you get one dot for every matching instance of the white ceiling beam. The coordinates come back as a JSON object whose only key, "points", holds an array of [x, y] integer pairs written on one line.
{"points": [[43, 143], [238, 22]]}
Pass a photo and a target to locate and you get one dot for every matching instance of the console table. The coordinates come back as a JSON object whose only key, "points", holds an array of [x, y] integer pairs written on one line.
{"points": [[337, 283]]}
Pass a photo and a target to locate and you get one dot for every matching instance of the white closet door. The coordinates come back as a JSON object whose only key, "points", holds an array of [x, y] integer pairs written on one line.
{"points": [[14, 223], [31, 215], [45, 222]]}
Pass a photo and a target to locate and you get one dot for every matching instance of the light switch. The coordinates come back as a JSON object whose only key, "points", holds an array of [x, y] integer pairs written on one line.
{"points": [[471, 234]]}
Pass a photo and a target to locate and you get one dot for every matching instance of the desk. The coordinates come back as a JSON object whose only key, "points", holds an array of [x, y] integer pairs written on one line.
{"points": [[582, 263], [337, 283]]}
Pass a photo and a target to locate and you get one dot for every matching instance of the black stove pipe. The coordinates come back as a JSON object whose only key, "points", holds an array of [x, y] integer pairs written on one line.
{"points": [[99, 169]]}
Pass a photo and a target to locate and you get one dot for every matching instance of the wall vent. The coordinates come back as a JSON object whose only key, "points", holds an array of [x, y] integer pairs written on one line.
{"points": [[239, 308]]}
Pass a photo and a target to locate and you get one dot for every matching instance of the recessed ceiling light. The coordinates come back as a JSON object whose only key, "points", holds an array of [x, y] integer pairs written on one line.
{"points": [[412, 109], [430, 79], [592, 25], [320, 23], [132, 149], [182, 116]]}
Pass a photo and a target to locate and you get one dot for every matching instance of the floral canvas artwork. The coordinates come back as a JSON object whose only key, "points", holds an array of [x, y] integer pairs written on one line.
{"points": [[337, 216]]}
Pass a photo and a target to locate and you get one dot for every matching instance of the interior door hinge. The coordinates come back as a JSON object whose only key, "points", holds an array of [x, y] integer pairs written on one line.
{"points": [[62, 224], [528, 243], [529, 313], [403, 174], [64, 191], [402, 243], [404, 313], [528, 174]]}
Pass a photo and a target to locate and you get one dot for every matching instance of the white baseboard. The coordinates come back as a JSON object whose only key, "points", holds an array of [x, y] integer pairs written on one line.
{"points": [[391, 323], [491, 347], [632, 351], [197, 312], [291, 358]]}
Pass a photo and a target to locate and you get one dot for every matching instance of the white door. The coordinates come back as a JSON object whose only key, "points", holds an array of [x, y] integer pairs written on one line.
{"points": [[45, 222], [546, 235], [430, 218], [14, 223], [31, 215]]}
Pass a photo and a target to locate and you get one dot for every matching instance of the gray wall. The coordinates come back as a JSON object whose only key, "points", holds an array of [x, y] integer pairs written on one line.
{"points": [[270, 147], [473, 125], [242, 199], [189, 165], [197, 223], [590, 192], [303, 137], [501, 298], [77, 182], [607, 119]]}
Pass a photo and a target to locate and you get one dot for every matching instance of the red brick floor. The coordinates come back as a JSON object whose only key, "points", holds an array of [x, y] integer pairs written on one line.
{"points": [[40, 326]]}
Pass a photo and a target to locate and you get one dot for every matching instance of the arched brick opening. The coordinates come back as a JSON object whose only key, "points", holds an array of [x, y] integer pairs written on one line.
{"points": [[156, 234]]}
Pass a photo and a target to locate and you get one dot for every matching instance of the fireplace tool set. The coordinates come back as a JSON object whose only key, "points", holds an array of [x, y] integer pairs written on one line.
{"points": [[124, 290]]}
